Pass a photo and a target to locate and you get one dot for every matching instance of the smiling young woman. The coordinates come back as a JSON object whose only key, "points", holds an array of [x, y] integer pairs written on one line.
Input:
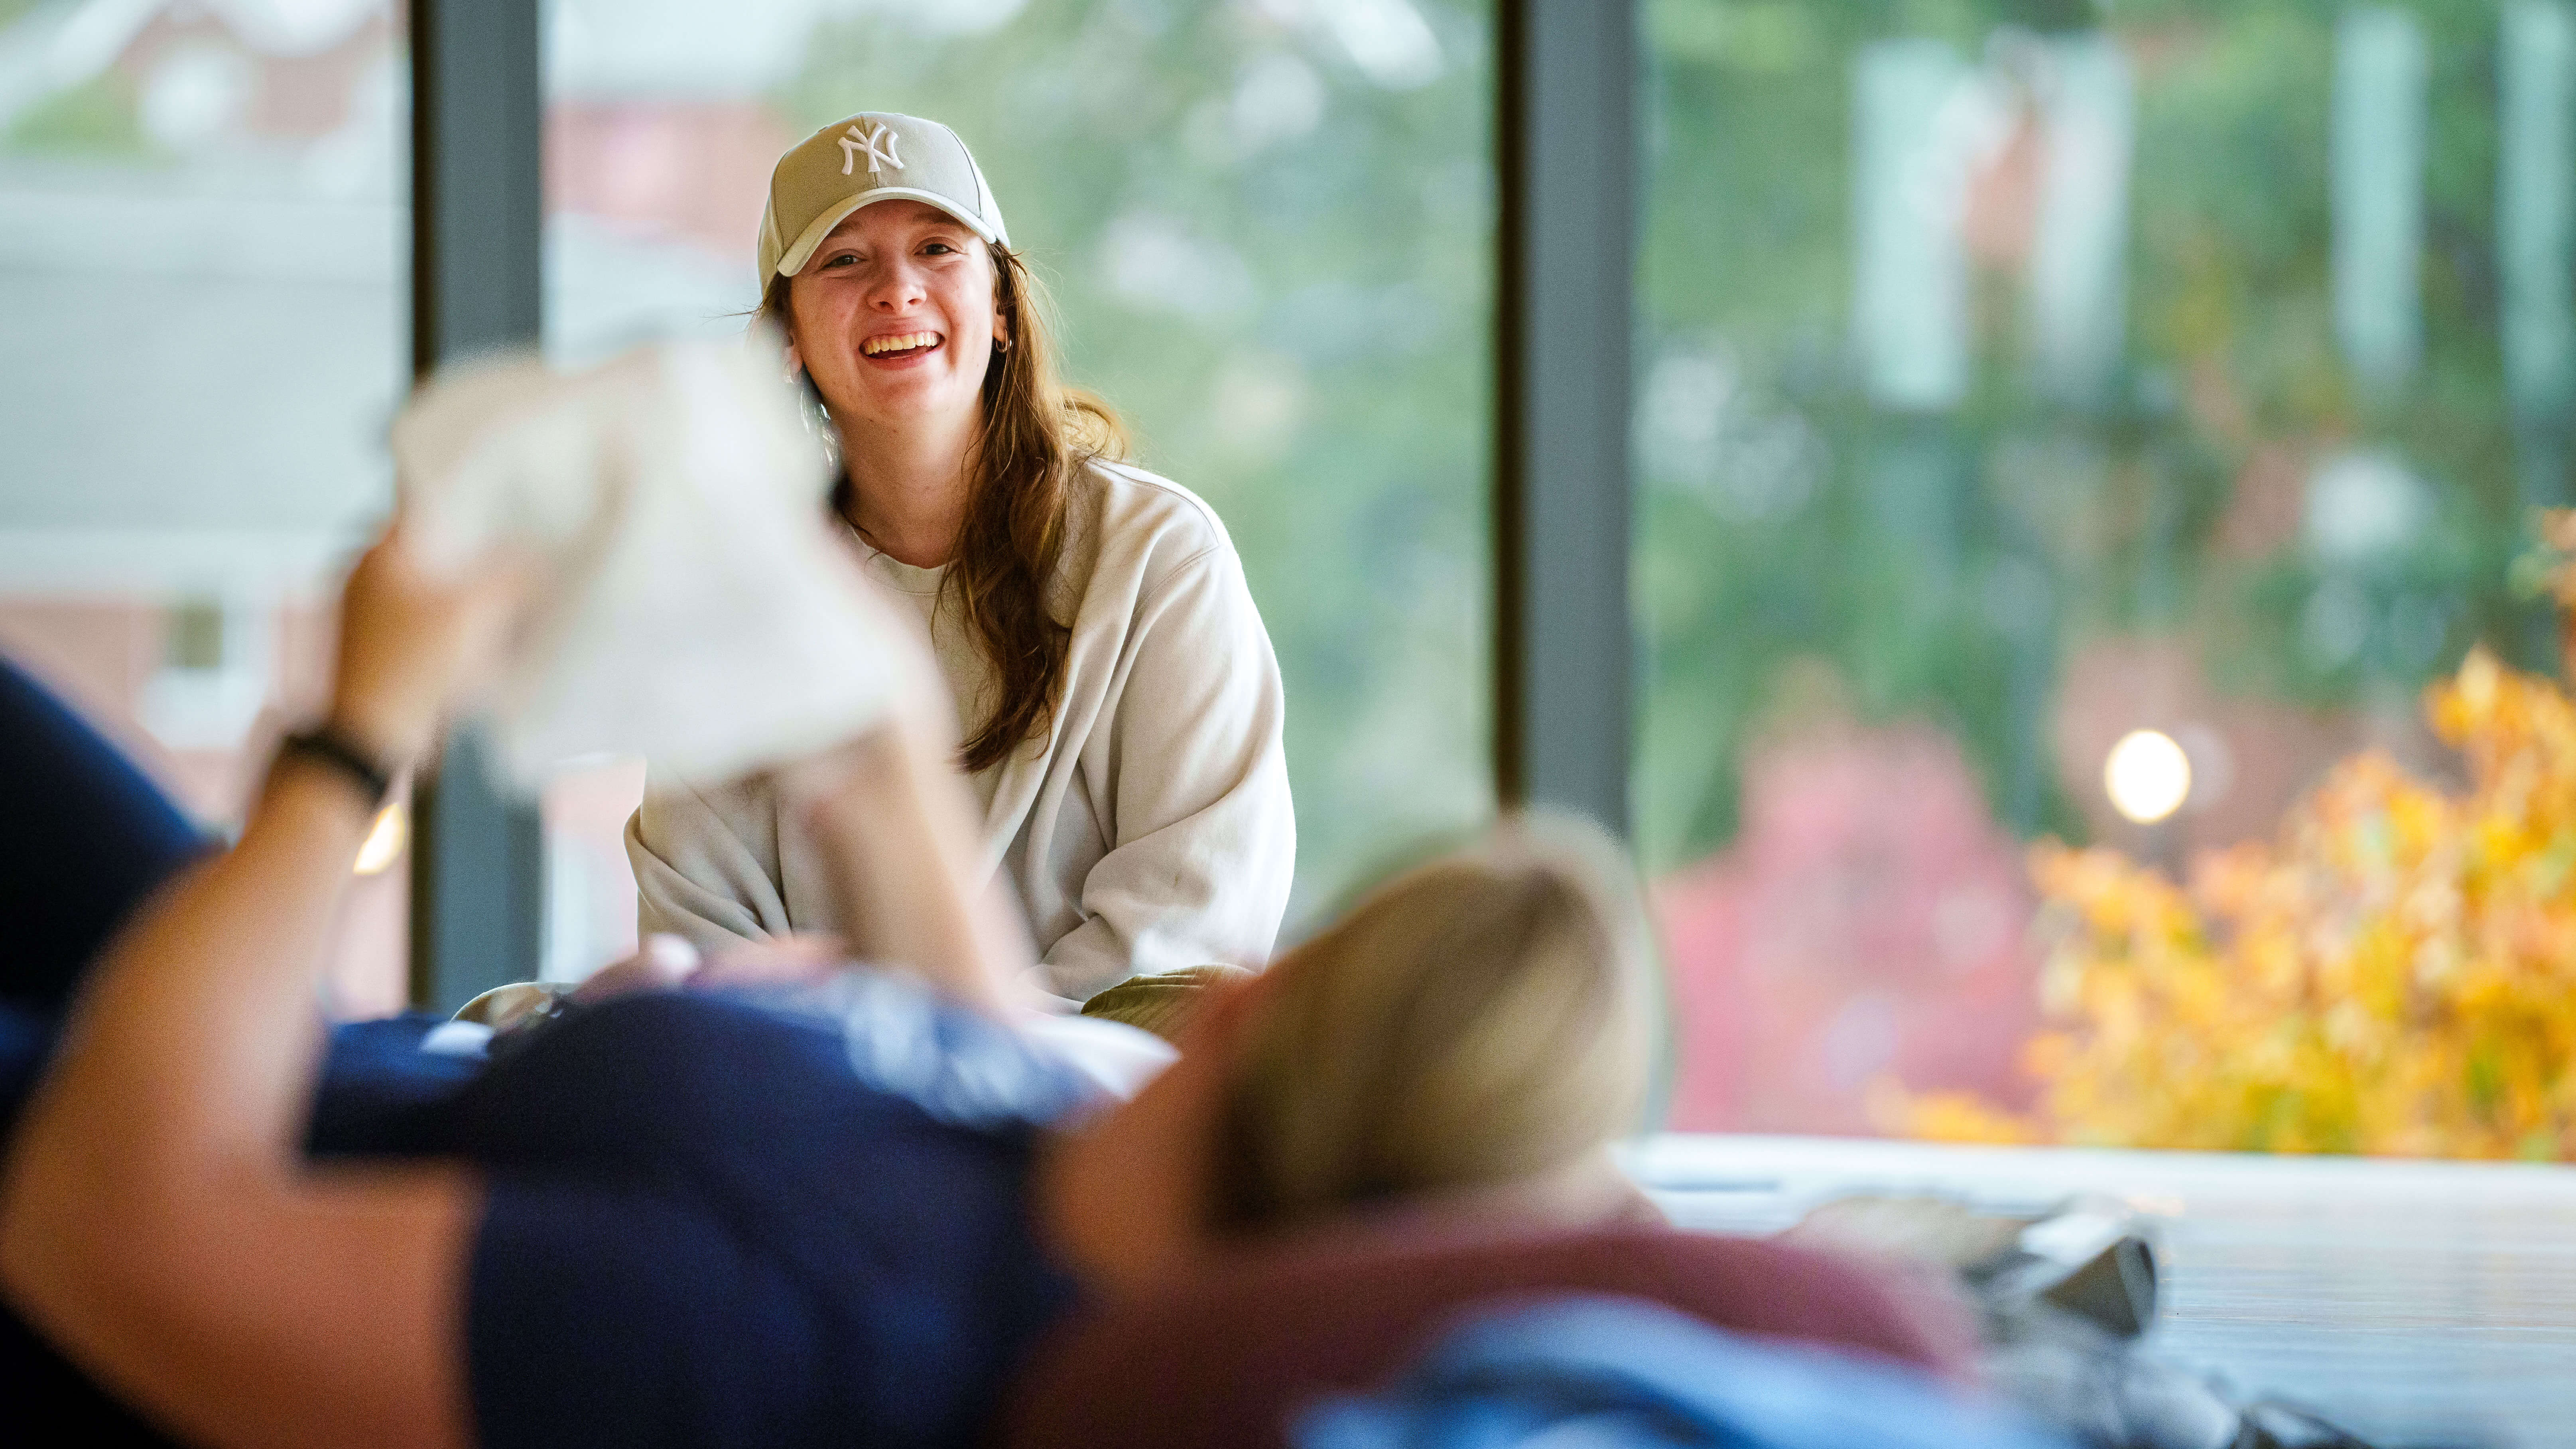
{"points": [[1119, 701]]}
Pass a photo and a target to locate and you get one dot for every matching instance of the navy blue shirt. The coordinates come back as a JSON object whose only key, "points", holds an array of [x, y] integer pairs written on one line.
{"points": [[796, 1218]]}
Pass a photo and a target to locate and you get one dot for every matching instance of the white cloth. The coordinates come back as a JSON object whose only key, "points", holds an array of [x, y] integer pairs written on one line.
{"points": [[1150, 830], [695, 608]]}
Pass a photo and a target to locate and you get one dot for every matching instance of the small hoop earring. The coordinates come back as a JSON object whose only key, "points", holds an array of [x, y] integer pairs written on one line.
{"points": [[1001, 344]]}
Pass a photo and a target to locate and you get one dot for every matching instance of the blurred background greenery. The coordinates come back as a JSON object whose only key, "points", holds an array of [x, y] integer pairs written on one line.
{"points": [[2029, 521]]}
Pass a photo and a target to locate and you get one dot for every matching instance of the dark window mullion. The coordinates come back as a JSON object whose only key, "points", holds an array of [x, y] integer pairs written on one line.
{"points": [[478, 857], [1566, 245]]}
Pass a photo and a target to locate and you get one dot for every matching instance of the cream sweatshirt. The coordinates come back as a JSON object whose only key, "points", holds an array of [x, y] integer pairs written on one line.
{"points": [[1151, 830]]}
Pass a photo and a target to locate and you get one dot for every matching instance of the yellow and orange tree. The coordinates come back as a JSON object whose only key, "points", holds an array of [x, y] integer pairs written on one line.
{"points": [[2394, 972]]}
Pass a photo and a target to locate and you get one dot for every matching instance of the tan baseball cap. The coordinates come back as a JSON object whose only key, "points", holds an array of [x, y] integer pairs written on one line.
{"points": [[872, 156]]}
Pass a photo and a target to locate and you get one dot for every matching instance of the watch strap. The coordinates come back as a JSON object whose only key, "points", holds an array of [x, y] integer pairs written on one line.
{"points": [[326, 746]]}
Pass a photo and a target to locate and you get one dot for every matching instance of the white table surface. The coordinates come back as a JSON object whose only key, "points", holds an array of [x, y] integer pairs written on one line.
{"points": [[2415, 1303]]}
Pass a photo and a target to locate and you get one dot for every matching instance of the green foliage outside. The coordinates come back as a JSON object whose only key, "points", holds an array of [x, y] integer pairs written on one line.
{"points": [[1277, 267], [91, 121], [2026, 527]]}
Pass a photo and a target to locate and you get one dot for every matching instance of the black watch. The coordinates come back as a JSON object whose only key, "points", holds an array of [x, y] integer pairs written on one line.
{"points": [[326, 746]]}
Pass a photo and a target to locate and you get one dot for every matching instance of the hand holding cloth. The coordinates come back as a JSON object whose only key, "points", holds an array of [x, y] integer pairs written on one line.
{"points": [[693, 606]]}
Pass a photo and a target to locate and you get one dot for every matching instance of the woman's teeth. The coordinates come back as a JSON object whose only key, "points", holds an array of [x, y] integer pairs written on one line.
{"points": [[902, 342]]}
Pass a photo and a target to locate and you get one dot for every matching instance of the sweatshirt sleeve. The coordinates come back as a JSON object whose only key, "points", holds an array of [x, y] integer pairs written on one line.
{"points": [[1194, 774], [706, 863]]}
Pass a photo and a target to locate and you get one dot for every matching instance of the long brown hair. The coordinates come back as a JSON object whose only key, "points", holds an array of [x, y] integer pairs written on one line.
{"points": [[1037, 435]]}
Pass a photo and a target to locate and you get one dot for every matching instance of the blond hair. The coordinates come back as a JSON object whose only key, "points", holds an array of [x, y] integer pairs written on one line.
{"points": [[1482, 1019]]}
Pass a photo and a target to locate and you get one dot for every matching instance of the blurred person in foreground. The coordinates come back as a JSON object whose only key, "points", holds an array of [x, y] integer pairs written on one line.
{"points": [[780, 1199], [1120, 703]]}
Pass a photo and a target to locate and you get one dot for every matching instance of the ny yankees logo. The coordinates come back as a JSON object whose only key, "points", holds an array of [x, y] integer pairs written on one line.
{"points": [[857, 141]]}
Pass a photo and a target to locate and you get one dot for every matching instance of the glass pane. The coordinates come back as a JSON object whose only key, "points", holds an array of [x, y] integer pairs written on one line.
{"points": [[2075, 462], [1266, 227], [202, 224]]}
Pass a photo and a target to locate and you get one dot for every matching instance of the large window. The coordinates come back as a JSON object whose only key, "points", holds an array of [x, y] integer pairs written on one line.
{"points": [[201, 322], [1268, 230], [2069, 449]]}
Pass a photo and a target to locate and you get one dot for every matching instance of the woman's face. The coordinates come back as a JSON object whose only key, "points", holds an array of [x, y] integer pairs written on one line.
{"points": [[893, 317]]}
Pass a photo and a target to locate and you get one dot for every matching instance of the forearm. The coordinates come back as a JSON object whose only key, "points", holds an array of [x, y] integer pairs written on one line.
{"points": [[156, 1220], [895, 829], [197, 1034], [193, 1044]]}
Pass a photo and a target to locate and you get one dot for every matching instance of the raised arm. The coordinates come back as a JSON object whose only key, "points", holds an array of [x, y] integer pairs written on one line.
{"points": [[898, 836], [157, 1220]]}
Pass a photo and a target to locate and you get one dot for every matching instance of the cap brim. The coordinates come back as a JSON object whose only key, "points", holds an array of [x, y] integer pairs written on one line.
{"points": [[793, 260]]}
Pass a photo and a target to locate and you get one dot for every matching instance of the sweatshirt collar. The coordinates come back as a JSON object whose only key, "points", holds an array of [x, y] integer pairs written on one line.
{"points": [[895, 573]]}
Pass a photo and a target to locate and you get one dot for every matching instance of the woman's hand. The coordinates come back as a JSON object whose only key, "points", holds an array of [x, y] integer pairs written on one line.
{"points": [[411, 642], [777, 961], [667, 963], [660, 963]]}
